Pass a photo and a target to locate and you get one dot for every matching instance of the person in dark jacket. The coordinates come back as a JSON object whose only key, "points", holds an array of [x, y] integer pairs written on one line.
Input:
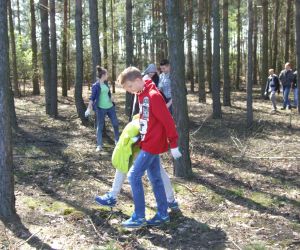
{"points": [[101, 102], [272, 87], [287, 79], [295, 90]]}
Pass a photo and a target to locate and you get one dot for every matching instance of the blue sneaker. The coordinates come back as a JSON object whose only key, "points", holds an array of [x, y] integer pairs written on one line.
{"points": [[106, 200], [134, 222], [173, 205], [158, 220]]}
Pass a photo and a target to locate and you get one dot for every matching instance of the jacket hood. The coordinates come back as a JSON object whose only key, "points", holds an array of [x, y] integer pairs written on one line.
{"points": [[149, 85]]}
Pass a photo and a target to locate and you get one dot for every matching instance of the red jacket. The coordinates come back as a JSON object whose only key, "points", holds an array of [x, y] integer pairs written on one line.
{"points": [[157, 126]]}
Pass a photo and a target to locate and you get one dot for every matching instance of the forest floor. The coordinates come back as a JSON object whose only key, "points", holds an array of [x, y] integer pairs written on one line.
{"points": [[244, 193]]}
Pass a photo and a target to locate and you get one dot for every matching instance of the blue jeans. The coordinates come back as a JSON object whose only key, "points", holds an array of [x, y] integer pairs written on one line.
{"points": [[111, 113], [151, 163], [295, 90], [286, 92]]}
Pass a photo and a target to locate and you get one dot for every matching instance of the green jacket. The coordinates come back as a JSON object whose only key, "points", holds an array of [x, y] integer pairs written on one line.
{"points": [[126, 150]]}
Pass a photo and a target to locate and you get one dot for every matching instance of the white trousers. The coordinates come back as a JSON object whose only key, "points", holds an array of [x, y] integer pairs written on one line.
{"points": [[120, 178]]}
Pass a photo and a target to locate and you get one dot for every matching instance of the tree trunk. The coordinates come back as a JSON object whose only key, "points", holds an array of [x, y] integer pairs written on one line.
{"points": [[250, 65], [226, 87], [113, 61], [164, 30], [94, 33], [297, 9], [53, 88], [275, 34], [189, 44], [287, 34], [292, 36], [200, 38], [255, 38], [238, 47], [182, 167], [7, 204], [216, 61], [265, 31], [129, 52], [105, 48], [13, 51], [80, 106], [46, 53], [208, 46], [18, 15], [152, 45], [64, 75], [69, 75], [35, 70]]}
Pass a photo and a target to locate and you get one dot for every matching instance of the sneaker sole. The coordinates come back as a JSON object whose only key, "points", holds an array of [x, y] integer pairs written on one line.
{"points": [[135, 227], [158, 225], [110, 206]]}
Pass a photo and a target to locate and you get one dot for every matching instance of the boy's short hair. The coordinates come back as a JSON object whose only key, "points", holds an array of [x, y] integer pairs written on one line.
{"points": [[271, 70], [164, 62], [129, 74]]}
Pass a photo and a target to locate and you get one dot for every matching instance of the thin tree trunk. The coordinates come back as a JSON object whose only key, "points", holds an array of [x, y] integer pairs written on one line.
{"points": [[250, 65], [13, 51], [226, 88], [53, 88], [265, 61], [200, 38], [216, 61], [164, 30], [94, 33], [105, 48], [189, 44], [287, 34], [275, 34], [238, 60], [182, 167], [297, 20], [18, 16], [35, 70], [129, 52], [46, 53], [64, 75], [80, 106], [152, 45], [69, 76], [292, 36], [255, 37], [208, 46], [7, 197], [113, 62]]}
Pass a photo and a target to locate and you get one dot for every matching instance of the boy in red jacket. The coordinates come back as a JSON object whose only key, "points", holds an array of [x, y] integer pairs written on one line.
{"points": [[158, 132]]}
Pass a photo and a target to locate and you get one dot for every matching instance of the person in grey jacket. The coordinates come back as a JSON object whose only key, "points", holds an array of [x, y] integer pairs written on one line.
{"points": [[286, 78], [272, 87], [295, 90]]}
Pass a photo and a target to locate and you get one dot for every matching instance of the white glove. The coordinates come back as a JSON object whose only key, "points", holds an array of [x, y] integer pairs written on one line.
{"points": [[87, 112], [176, 153], [266, 93], [135, 139]]}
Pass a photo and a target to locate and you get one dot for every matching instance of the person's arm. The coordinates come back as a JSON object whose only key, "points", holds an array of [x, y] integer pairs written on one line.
{"points": [[267, 87], [169, 103], [92, 99], [162, 114]]}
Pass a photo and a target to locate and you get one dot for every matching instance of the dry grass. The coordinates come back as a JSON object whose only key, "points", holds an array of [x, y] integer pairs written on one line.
{"points": [[240, 197]]}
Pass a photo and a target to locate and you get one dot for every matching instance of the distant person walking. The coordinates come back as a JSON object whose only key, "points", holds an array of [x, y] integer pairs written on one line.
{"points": [[152, 73], [272, 87], [287, 80], [164, 84], [101, 102]]}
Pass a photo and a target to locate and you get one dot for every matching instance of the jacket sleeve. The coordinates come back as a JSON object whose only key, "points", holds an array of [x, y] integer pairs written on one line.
{"points": [[267, 85], [281, 76], [161, 112], [94, 93]]}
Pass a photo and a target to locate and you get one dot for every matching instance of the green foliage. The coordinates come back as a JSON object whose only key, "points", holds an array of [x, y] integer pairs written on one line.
{"points": [[24, 56]]}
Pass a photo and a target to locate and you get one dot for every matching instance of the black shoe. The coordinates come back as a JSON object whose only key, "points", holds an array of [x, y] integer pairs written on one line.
{"points": [[283, 108], [289, 107]]}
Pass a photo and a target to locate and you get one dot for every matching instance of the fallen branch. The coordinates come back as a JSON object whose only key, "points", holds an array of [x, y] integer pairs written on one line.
{"points": [[96, 231], [196, 131], [188, 188], [31, 236], [268, 157]]}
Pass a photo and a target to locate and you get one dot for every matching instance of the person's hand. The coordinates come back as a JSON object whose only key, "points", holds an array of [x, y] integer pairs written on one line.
{"points": [[135, 139], [87, 112], [266, 93], [176, 153]]}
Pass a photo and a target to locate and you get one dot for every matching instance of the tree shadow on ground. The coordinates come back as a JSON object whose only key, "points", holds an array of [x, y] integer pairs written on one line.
{"points": [[22, 232], [181, 233]]}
